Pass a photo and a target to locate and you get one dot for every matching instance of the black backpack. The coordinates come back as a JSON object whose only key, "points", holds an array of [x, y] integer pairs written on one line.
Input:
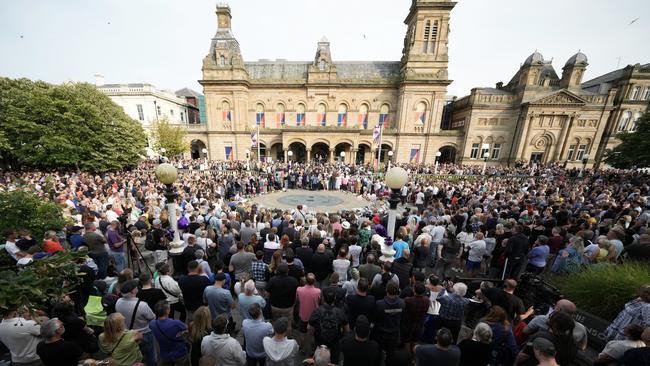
{"points": [[329, 326], [148, 242]]}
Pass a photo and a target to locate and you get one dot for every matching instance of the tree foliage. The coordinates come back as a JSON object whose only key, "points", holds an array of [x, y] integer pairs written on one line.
{"points": [[69, 126], [170, 137], [23, 210], [39, 283], [634, 149]]}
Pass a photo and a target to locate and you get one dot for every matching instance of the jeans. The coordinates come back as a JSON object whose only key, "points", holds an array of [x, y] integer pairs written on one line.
{"points": [[252, 361], [120, 260], [148, 349], [101, 260], [433, 253]]}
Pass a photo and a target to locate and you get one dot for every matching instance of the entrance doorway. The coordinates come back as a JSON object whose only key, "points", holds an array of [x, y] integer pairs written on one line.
{"points": [[536, 157], [320, 152]]}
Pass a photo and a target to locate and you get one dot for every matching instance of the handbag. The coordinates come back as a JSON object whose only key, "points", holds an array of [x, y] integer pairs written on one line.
{"points": [[179, 296]]}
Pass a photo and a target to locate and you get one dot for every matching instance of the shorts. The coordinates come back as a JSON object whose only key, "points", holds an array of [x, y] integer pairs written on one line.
{"points": [[471, 265]]}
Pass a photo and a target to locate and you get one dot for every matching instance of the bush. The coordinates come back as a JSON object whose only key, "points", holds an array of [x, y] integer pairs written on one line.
{"points": [[40, 283], [24, 210], [604, 290]]}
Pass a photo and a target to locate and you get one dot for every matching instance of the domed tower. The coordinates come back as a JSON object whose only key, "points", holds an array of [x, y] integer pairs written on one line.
{"points": [[573, 71], [529, 72]]}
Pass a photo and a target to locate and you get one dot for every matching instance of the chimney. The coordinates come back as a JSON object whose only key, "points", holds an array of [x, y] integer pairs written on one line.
{"points": [[99, 80], [500, 85]]}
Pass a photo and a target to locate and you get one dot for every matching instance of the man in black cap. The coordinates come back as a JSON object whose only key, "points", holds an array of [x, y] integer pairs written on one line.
{"points": [[358, 348]]}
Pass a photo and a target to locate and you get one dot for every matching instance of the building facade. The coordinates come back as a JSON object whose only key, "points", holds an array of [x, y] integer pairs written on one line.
{"points": [[540, 117], [325, 110], [147, 104]]}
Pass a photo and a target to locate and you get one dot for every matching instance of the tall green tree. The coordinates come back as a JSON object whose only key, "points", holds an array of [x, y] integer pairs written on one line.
{"points": [[634, 149], [24, 210], [170, 137], [68, 126]]}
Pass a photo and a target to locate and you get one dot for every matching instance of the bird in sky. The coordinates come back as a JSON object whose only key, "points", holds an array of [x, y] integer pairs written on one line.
{"points": [[632, 22]]}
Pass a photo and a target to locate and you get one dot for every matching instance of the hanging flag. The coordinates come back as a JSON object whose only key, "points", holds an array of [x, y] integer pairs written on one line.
{"points": [[376, 133], [227, 117], [343, 120], [321, 119], [414, 158], [383, 120], [300, 119], [420, 117], [229, 153], [363, 120], [254, 139], [260, 119], [279, 119]]}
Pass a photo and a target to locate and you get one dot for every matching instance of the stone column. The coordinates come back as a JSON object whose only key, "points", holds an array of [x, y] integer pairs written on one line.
{"points": [[557, 155], [308, 154], [521, 150], [353, 156], [331, 156], [569, 124], [286, 155]]}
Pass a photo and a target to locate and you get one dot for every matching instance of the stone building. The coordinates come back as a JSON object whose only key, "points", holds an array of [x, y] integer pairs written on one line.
{"points": [[327, 110], [321, 108], [540, 117]]}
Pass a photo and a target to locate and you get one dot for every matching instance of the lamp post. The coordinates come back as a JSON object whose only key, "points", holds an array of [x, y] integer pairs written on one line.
{"points": [[390, 157], [486, 156], [259, 158], [248, 157], [396, 178], [162, 155], [290, 154], [167, 174], [342, 154], [585, 159], [438, 155]]}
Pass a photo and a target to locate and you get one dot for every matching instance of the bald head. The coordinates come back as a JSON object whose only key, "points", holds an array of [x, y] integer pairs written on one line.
{"points": [[406, 253], [321, 248], [566, 306]]}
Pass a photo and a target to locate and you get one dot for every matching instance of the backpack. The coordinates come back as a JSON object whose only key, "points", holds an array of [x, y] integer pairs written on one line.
{"points": [[148, 242], [329, 326]]}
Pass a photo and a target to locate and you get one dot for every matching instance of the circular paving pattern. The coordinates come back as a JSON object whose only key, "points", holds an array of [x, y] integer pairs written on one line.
{"points": [[325, 201]]}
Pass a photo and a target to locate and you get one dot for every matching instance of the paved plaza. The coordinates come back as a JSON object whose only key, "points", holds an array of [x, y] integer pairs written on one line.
{"points": [[323, 201]]}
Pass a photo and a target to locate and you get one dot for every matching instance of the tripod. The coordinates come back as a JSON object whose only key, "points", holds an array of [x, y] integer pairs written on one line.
{"points": [[132, 245]]}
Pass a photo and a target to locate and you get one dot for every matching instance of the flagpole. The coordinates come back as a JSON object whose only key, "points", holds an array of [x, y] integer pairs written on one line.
{"points": [[381, 132], [259, 158]]}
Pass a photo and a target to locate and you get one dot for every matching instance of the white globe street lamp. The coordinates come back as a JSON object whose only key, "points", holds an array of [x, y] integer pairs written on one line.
{"points": [[486, 156], [585, 160], [438, 155], [167, 175], [396, 178]]}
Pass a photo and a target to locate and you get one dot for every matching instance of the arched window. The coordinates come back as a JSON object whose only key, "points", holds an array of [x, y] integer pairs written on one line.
{"points": [[343, 116], [259, 115], [279, 115], [363, 116], [322, 65], [383, 115], [635, 121], [300, 115], [226, 113], [222, 60], [625, 120], [646, 94], [635, 93], [321, 114], [420, 113], [427, 33]]}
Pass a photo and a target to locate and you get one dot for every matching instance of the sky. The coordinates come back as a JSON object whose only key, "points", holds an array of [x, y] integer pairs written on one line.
{"points": [[163, 42]]}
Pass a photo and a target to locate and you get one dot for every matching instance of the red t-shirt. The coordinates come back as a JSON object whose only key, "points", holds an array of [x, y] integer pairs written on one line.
{"points": [[51, 246]]}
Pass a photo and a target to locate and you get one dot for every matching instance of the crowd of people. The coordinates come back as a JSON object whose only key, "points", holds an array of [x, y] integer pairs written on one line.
{"points": [[256, 285]]}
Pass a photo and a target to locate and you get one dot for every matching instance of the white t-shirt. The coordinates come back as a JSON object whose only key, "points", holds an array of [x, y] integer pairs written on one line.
{"points": [[12, 249], [355, 252], [437, 234], [341, 266], [616, 349], [476, 250], [21, 336], [419, 198]]}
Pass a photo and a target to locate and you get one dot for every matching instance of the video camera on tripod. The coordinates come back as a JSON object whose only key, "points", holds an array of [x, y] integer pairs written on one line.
{"points": [[536, 292]]}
